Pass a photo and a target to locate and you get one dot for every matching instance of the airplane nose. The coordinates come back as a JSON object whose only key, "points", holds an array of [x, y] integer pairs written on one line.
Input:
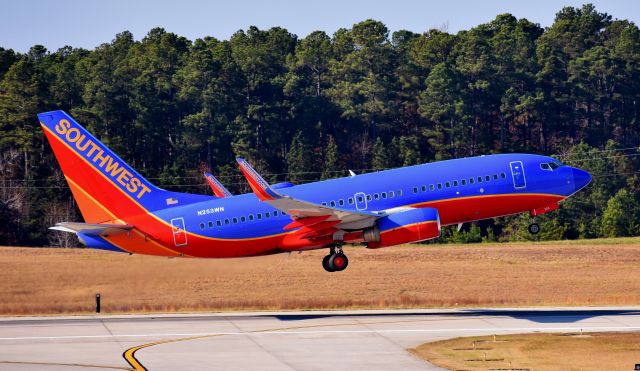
{"points": [[580, 178]]}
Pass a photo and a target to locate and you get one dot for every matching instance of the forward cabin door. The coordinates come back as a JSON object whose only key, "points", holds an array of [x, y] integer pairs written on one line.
{"points": [[517, 174], [179, 234]]}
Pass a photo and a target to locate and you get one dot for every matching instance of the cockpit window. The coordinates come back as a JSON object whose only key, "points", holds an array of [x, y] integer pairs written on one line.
{"points": [[551, 165]]}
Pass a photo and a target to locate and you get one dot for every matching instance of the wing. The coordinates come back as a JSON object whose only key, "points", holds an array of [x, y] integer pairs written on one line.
{"points": [[218, 189], [92, 229], [307, 214]]}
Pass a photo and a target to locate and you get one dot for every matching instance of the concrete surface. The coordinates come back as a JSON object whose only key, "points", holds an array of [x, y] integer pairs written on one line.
{"points": [[319, 340]]}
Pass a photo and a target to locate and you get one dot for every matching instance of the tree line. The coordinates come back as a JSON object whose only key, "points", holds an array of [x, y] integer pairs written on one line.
{"points": [[303, 109]]}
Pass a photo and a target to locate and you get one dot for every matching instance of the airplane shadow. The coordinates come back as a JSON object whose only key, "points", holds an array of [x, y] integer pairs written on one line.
{"points": [[538, 316]]}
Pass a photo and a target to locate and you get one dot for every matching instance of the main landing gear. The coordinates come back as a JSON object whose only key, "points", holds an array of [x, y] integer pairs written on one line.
{"points": [[336, 261]]}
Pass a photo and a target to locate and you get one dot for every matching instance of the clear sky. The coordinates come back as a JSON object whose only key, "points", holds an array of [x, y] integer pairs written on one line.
{"points": [[88, 23]]}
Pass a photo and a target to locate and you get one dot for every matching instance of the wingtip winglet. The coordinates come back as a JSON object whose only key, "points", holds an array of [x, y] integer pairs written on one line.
{"points": [[216, 186], [260, 187]]}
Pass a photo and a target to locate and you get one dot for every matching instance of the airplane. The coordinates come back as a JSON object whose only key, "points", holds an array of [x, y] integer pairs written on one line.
{"points": [[124, 212]]}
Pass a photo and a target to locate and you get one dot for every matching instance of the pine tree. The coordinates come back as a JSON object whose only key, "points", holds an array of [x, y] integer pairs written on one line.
{"points": [[331, 160], [299, 159], [380, 159], [620, 218]]}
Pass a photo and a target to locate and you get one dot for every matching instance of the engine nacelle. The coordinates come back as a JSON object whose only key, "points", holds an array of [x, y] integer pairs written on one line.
{"points": [[404, 227]]}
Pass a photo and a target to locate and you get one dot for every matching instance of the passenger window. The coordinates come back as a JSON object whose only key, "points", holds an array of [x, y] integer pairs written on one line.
{"points": [[333, 204], [399, 192], [423, 188], [350, 200], [455, 183], [447, 184], [368, 197], [275, 213], [463, 182], [360, 199], [251, 217], [201, 225], [431, 187], [392, 194], [471, 180], [479, 179], [227, 222], [341, 202], [487, 178], [503, 175], [384, 194], [210, 224], [495, 176], [243, 219], [415, 189], [439, 185], [259, 216], [324, 204], [219, 223], [235, 220], [267, 215], [376, 196]]}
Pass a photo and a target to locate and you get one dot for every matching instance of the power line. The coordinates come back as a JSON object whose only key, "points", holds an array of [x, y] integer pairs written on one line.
{"points": [[305, 181], [362, 170], [604, 150], [602, 158]]}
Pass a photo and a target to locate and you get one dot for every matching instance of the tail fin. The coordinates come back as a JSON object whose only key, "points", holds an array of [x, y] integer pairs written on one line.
{"points": [[106, 189]]}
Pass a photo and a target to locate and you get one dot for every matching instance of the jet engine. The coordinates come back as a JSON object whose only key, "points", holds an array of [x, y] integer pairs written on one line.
{"points": [[412, 225]]}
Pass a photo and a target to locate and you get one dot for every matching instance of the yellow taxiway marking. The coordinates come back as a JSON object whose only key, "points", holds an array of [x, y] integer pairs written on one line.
{"points": [[62, 364], [129, 354]]}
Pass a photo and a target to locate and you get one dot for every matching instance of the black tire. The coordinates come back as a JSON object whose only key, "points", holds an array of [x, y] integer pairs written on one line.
{"points": [[325, 263], [534, 228], [338, 262]]}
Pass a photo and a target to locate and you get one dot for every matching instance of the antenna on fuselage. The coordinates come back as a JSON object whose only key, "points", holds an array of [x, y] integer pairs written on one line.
{"points": [[351, 173]]}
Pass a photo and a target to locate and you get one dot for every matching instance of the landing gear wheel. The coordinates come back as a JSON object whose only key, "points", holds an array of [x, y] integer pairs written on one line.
{"points": [[534, 228], [325, 263], [338, 262]]}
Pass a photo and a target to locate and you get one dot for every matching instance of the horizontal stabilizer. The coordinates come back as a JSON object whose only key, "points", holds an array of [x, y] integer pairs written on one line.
{"points": [[92, 229]]}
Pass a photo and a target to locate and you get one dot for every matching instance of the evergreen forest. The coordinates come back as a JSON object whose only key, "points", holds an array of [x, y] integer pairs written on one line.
{"points": [[364, 98]]}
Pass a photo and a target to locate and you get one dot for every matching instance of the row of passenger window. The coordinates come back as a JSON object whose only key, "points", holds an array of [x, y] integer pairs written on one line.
{"points": [[361, 197], [461, 182], [243, 219]]}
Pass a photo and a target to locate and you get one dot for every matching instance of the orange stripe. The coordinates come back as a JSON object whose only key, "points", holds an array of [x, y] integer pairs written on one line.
{"points": [[147, 213], [116, 239]]}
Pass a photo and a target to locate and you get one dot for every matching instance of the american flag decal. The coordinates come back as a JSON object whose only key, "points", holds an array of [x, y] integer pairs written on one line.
{"points": [[171, 201]]}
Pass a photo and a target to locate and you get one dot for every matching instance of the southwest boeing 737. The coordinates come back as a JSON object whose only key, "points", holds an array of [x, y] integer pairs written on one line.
{"points": [[125, 212]]}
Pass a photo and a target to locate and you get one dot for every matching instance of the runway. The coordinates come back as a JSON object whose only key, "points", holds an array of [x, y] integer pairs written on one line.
{"points": [[319, 340]]}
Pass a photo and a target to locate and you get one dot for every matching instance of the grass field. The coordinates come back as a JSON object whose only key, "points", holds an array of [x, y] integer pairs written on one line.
{"points": [[48, 281], [544, 352]]}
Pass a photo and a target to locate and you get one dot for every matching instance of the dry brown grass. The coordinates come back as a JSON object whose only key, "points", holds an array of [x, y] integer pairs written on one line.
{"points": [[598, 351], [42, 281]]}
